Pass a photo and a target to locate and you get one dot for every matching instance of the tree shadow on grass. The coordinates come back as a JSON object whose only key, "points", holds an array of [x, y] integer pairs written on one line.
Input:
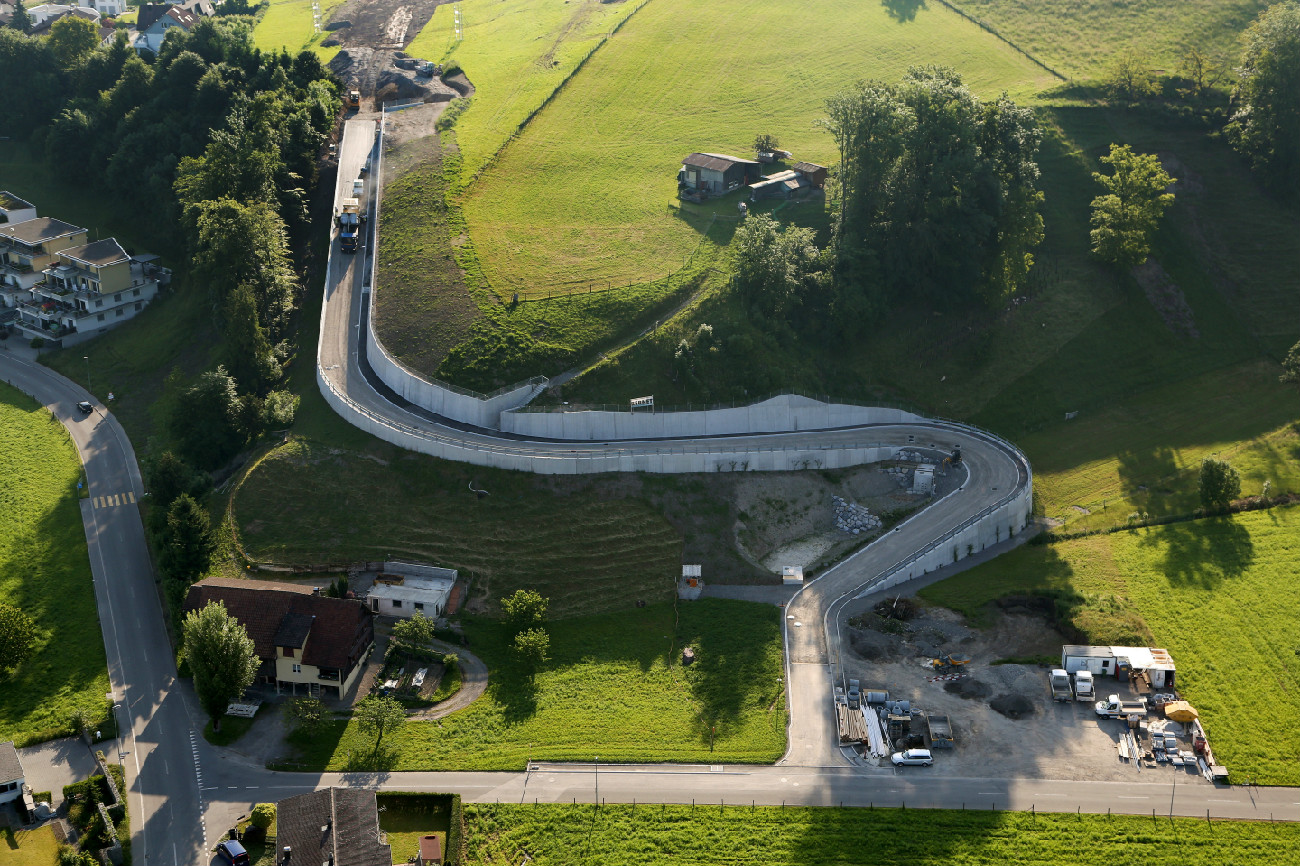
{"points": [[1202, 553], [903, 11], [1143, 472], [732, 675], [382, 758], [515, 692]]}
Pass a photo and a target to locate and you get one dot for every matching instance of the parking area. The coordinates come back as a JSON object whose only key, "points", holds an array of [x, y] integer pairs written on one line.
{"points": [[1004, 720]]}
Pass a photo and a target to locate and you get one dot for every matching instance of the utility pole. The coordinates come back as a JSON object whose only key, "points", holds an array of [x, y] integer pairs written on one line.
{"points": [[87, 360]]}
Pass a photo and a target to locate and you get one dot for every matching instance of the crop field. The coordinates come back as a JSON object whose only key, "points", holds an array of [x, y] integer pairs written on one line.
{"points": [[614, 687], [307, 503], [45, 571], [288, 24], [549, 834], [1217, 593], [588, 191], [515, 53], [1079, 38]]}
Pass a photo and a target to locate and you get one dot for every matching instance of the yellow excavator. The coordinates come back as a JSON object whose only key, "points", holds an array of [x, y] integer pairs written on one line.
{"points": [[949, 662]]}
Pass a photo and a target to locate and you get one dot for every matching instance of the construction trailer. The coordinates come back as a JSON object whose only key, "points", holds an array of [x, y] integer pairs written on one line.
{"points": [[1121, 662], [940, 730]]}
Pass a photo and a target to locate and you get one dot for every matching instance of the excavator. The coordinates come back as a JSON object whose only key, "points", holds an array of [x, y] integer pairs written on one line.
{"points": [[949, 662]]}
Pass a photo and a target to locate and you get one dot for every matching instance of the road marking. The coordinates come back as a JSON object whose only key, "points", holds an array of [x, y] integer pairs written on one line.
{"points": [[1235, 802], [1122, 797], [114, 499]]}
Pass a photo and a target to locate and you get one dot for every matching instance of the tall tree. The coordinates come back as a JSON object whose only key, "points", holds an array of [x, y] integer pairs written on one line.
{"points": [[1266, 124], [21, 19], [221, 655], [188, 543], [1124, 219], [533, 649], [17, 637], [524, 609], [1291, 366], [308, 715], [416, 631], [379, 716], [1219, 484], [72, 39], [205, 420]]}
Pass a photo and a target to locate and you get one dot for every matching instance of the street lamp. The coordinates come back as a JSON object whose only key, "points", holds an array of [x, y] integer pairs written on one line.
{"points": [[87, 360]]}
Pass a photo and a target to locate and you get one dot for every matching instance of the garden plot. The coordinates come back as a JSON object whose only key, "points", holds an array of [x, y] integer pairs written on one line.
{"points": [[1005, 722]]}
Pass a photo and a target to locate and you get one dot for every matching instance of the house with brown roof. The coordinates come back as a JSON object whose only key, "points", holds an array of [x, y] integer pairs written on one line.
{"points": [[302, 638], [339, 826], [155, 19], [715, 174]]}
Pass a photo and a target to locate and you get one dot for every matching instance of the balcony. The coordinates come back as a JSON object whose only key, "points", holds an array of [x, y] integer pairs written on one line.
{"points": [[18, 267]]}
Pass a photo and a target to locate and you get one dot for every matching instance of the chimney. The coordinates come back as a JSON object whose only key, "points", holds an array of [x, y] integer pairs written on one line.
{"points": [[288, 853]]}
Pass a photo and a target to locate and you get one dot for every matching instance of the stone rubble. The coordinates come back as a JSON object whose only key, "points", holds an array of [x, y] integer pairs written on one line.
{"points": [[852, 518]]}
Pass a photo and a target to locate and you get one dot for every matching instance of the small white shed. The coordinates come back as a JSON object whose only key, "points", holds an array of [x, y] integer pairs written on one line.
{"points": [[406, 596]]}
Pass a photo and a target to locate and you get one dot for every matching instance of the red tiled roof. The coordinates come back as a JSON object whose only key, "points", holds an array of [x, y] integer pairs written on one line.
{"points": [[339, 631]]}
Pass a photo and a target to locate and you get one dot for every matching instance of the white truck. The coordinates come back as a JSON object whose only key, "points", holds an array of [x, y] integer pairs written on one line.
{"points": [[1060, 683], [1114, 708], [1083, 687]]}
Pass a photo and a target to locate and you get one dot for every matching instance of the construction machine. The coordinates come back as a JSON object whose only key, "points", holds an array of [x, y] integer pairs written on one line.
{"points": [[949, 662]]}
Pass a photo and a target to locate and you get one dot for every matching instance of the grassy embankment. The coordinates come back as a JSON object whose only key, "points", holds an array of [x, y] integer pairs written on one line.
{"points": [[615, 688], [1217, 593], [587, 194], [45, 571], [288, 24], [1080, 38], [665, 836]]}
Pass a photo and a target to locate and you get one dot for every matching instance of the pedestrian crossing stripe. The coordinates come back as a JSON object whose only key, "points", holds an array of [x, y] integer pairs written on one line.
{"points": [[127, 498]]}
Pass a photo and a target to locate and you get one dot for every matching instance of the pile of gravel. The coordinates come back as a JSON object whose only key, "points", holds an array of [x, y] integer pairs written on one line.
{"points": [[853, 518], [1014, 706]]}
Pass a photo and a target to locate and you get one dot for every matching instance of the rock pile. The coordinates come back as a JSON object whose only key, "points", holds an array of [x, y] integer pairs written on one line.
{"points": [[853, 518]]}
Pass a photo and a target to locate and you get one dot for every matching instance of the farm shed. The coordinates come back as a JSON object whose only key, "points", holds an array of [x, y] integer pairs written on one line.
{"points": [[715, 173], [783, 184], [1118, 661], [406, 595], [815, 174]]}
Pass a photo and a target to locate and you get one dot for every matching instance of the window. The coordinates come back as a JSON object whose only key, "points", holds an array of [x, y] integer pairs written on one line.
{"points": [[419, 605], [118, 296], [100, 317], [121, 312], [288, 651], [297, 669], [99, 302], [397, 602], [135, 293], [139, 305]]}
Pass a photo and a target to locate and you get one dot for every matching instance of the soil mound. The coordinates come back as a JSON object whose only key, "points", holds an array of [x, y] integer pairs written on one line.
{"points": [[1014, 706], [971, 690]]}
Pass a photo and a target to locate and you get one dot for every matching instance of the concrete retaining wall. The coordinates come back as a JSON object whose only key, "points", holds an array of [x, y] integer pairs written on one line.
{"points": [[435, 397], [783, 414]]}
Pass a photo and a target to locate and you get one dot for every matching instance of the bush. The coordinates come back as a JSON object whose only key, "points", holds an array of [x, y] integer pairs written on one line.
{"points": [[38, 342], [263, 816]]}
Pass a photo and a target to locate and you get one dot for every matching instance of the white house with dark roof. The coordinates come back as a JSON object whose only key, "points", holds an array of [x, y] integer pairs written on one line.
{"points": [[15, 210], [11, 774], [154, 20]]}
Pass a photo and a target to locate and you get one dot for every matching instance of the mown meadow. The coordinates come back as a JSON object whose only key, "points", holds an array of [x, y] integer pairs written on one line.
{"points": [[1218, 593], [669, 835], [45, 572], [615, 687], [288, 24], [587, 194]]}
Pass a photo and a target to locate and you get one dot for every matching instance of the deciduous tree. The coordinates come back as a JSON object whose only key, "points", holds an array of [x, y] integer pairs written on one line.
{"points": [[221, 655], [308, 715], [71, 39], [766, 143], [1266, 124], [1124, 219], [1130, 75], [1220, 483], [1202, 71], [379, 716], [532, 648], [416, 631], [17, 637], [524, 609], [205, 420]]}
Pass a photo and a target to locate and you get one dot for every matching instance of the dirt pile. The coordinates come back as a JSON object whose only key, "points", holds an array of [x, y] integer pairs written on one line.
{"points": [[1014, 706], [970, 689]]}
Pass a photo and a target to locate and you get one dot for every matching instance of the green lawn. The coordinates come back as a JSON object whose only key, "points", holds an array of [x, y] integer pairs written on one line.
{"points": [[515, 53], [307, 503], [45, 571], [1217, 593], [669, 835], [1079, 38], [288, 24], [614, 688], [587, 194], [36, 847], [407, 817]]}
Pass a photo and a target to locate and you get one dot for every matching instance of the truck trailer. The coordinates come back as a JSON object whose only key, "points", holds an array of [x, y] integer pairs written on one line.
{"points": [[349, 220]]}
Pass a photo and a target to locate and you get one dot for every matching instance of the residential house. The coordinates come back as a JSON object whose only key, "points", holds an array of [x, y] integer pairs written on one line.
{"points": [[155, 19], [201, 8], [107, 8], [89, 289], [308, 643], [6, 14], [11, 774], [27, 248], [338, 826], [15, 210], [407, 595], [52, 12], [715, 173]]}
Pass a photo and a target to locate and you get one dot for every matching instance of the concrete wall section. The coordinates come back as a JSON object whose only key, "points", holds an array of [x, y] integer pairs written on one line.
{"points": [[466, 408], [783, 414]]}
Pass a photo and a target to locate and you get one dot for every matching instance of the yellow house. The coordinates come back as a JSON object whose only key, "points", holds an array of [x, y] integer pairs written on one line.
{"points": [[27, 248]]}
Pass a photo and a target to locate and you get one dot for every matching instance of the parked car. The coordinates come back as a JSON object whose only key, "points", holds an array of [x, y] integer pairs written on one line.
{"points": [[912, 757], [233, 853], [85, 407]]}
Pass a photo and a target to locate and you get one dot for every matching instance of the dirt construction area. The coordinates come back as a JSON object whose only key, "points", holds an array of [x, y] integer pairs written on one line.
{"points": [[1004, 721]]}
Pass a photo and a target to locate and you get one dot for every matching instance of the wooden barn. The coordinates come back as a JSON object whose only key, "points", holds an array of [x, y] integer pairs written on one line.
{"points": [[710, 174], [814, 173]]}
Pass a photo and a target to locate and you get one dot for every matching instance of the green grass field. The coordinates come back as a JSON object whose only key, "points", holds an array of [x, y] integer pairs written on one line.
{"points": [[406, 818], [669, 835], [37, 847], [1079, 38], [288, 24], [614, 688], [306, 503], [45, 571], [1217, 593], [588, 193], [515, 53]]}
